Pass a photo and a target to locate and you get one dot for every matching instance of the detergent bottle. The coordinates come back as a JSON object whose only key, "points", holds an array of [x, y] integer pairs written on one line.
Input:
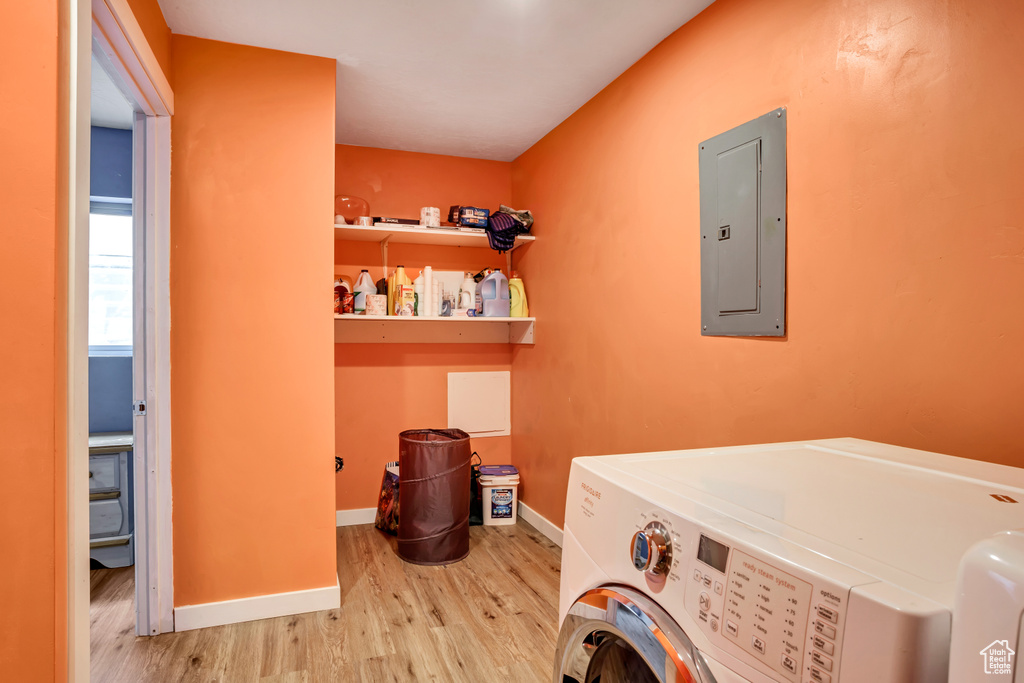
{"points": [[467, 293], [364, 285], [395, 291], [517, 294], [495, 296], [391, 293], [417, 286]]}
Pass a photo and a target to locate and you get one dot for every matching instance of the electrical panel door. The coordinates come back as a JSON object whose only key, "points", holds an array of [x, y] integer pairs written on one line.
{"points": [[743, 229]]}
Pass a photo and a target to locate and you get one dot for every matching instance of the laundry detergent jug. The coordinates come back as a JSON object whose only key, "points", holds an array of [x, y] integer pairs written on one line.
{"points": [[364, 286], [494, 295], [517, 292]]}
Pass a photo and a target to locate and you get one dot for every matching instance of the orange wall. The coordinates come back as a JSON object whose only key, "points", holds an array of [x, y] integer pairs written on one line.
{"points": [[383, 389], [905, 252], [251, 344], [32, 576], [151, 19], [399, 184]]}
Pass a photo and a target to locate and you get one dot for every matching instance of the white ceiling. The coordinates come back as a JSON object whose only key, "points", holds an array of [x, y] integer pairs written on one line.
{"points": [[108, 107], [475, 78]]}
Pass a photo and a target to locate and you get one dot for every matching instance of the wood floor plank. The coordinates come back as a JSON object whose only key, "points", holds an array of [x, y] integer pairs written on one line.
{"points": [[491, 617], [205, 658], [177, 659], [284, 646], [217, 659], [419, 652], [325, 647], [468, 658], [366, 625], [245, 658], [291, 677], [382, 669], [532, 640], [434, 588]]}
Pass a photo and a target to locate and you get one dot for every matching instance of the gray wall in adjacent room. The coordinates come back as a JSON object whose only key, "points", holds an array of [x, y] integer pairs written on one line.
{"points": [[110, 163], [110, 394]]}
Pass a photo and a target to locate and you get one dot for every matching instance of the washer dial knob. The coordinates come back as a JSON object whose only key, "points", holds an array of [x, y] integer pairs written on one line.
{"points": [[651, 550]]}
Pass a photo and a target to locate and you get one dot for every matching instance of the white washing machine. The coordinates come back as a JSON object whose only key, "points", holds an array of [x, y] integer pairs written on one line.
{"points": [[807, 562]]}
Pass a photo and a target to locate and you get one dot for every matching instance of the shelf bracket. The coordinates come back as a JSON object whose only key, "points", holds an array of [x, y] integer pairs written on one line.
{"points": [[384, 254], [508, 257]]}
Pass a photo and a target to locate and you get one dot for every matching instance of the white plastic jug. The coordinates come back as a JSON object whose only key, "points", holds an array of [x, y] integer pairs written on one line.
{"points": [[467, 293], [364, 286], [495, 296]]}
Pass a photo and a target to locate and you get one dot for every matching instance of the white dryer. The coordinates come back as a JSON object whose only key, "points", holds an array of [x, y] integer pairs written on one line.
{"points": [[807, 562]]}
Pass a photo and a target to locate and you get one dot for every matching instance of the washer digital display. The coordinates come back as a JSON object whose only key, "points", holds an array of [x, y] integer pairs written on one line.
{"points": [[712, 553]]}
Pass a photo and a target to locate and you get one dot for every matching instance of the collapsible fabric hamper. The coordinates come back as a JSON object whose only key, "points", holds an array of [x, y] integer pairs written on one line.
{"points": [[434, 525]]}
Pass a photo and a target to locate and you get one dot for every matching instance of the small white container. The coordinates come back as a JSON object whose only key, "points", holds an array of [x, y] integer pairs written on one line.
{"points": [[430, 217], [500, 497], [376, 304]]}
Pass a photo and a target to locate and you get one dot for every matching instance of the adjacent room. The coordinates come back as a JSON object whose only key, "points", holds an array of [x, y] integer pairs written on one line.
{"points": [[668, 341], [111, 344]]}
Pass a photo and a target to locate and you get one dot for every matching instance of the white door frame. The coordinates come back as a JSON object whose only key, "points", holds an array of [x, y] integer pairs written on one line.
{"points": [[120, 46], [74, 64], [154, 581]]}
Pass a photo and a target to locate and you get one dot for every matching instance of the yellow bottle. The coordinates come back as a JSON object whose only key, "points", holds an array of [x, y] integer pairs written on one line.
{"points": [[391, 294], [520, 309], [399, 280]]}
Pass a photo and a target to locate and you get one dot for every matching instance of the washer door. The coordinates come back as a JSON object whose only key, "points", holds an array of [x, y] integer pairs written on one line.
{"points": [[616, 634]]}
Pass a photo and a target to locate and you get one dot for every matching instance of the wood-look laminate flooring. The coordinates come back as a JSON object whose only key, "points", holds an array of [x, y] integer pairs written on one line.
{"points": [[490, 617]]}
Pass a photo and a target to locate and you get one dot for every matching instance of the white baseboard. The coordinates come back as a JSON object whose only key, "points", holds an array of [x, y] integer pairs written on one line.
{"points": [[540, 523], [353, 517], [188, 617], [368, 515]]}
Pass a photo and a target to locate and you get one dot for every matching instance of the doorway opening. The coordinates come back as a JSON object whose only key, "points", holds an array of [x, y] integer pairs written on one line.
{"points": [[111, 338], [120, 503]]}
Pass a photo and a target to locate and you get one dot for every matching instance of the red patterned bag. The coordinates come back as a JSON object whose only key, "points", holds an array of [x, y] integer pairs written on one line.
{"points": [[387, 503]]}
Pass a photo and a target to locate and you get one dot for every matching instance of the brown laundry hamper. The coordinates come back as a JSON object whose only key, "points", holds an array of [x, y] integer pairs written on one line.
{"points": [[433, 527]]}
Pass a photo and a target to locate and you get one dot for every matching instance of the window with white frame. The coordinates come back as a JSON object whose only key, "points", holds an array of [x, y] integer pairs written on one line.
{"points": [[110, 280]]}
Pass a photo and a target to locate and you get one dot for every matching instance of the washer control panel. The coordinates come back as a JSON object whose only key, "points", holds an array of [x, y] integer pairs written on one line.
{"points": [[777, 619]]}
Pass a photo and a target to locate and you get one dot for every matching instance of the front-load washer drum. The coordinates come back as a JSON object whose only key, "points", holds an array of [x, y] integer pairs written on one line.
{"points": [[617, 635]]}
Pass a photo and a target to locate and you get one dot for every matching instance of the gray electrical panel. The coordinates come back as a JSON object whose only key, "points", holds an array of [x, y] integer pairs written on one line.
{"points": [[743, 229]]}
